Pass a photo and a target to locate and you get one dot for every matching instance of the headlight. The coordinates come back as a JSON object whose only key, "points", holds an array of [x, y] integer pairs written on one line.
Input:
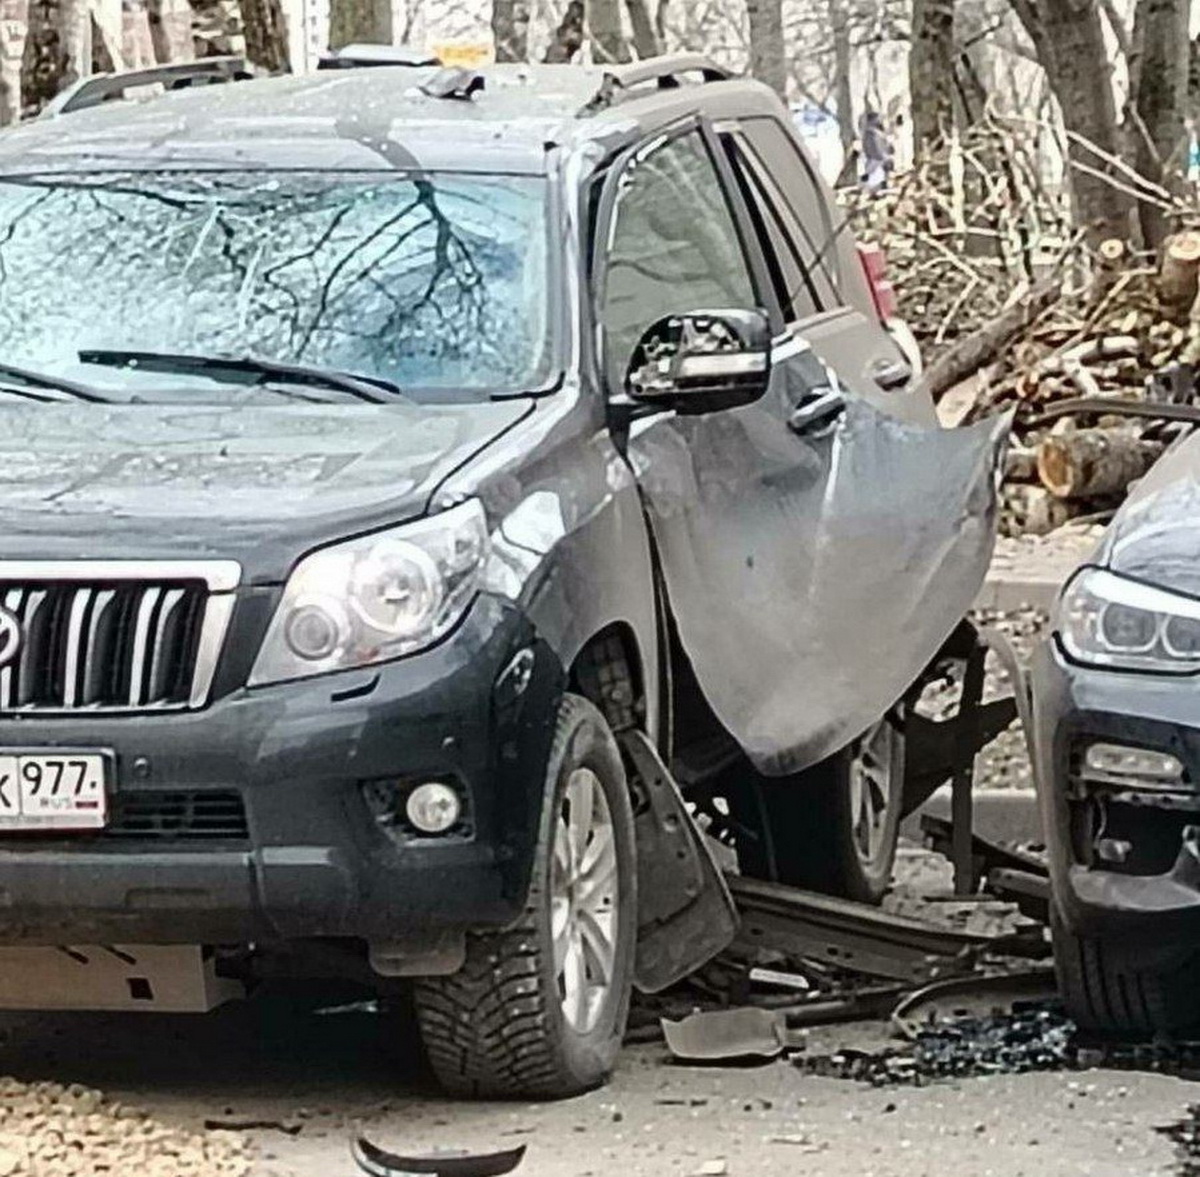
{"points": [[1107, 620], [375, 598]]}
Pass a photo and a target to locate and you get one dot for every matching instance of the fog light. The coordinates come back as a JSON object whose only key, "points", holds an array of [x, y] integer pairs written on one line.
{"points": [[1132, 765], [433, 808]]}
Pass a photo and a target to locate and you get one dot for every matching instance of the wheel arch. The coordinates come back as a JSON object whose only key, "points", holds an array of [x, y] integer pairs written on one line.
{"points": [[609, 671]]}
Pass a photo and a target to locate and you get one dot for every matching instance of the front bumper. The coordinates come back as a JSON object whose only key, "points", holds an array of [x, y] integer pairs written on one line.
{"points": [[311, 860], [1156, 890]]}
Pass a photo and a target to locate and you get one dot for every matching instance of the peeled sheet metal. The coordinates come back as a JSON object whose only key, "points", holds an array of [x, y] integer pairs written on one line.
{"points": [[813, 577]]}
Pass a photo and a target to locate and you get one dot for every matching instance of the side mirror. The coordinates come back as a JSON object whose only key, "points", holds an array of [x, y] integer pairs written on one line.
{"points": [[701, 362]]}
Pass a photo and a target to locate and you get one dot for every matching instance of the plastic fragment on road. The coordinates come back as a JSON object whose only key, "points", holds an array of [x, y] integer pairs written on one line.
{"points": [[375, 1161]]}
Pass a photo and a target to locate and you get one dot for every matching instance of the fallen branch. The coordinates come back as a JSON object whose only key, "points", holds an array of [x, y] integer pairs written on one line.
{"points": [[970, 354]]}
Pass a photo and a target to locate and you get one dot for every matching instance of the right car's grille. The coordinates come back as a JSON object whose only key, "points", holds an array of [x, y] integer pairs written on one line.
{"points": [[122, 639], [178, 816]]}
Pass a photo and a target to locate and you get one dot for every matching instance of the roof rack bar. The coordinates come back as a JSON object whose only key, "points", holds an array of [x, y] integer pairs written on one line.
{"points": [[98, 88], [665, 70]]}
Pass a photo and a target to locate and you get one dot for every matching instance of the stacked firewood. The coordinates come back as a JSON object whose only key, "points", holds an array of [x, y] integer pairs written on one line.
{"points": [[1013, 312]]}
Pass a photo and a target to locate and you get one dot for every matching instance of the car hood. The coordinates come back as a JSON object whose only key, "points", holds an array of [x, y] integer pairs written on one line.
{"points": [[258, 484], [1155, 536]]}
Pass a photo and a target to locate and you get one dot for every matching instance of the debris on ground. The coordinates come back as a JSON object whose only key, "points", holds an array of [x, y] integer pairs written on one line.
{"points": [[47, 1128], [375, 1161], [1031, 1038], [1185, 1134]]}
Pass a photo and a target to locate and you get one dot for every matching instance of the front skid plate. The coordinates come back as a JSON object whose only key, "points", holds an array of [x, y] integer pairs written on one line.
{"points": [[175, 978]]}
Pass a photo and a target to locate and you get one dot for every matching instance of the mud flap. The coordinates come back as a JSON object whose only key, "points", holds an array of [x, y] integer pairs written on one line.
{"points": [[686, 914]]}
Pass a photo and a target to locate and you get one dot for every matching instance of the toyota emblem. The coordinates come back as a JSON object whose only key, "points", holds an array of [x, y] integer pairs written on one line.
{"points": [[10, 636]]}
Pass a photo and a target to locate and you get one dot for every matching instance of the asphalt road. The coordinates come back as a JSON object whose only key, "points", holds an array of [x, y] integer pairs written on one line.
{"points": [[321, 1077]]}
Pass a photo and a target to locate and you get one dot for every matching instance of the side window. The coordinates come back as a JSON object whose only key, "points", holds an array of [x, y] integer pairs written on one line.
{"points": [[784, 171], [794, 289], [673, 247]]}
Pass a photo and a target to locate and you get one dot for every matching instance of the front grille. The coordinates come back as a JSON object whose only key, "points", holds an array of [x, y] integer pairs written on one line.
{"points": [[178, 816], [116, 640]]}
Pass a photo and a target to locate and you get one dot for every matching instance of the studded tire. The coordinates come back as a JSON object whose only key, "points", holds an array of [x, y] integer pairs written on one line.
{"points": [[1128, 989], [497, 1028]]}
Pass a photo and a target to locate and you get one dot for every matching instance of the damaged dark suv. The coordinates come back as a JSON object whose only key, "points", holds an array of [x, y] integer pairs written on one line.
{"points": [[427, 502]]}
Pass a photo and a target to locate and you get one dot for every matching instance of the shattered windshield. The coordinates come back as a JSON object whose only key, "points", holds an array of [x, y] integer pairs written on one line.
{"points": [[433, 283]]}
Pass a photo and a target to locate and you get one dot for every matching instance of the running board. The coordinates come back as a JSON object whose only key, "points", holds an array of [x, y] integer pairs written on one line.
{"points": [[863, 939]]}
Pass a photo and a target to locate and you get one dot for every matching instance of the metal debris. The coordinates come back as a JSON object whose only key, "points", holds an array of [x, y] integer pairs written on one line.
{"points": [[724, 1034], [1032, 1038], [374, 1161]]}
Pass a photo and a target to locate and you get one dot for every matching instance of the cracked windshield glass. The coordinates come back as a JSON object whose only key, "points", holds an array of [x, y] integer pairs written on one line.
{"points": [[436, 285]]}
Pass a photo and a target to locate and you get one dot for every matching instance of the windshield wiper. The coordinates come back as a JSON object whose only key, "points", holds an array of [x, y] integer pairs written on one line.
{"points": [[367, 388], [35, 380]]}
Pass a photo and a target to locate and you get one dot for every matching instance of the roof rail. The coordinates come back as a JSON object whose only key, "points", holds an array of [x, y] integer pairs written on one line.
{"points": [[364, 55], [667, 71], [98, 88]]}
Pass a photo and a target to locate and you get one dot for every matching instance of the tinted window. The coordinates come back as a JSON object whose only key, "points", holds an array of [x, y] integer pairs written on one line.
{"points": [[673, 248], [804, 204], [438, 283], [794, 290]]}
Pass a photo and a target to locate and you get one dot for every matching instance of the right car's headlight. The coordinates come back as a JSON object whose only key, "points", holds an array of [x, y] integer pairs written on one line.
{"points": [[1108, 620], [376, 598]]}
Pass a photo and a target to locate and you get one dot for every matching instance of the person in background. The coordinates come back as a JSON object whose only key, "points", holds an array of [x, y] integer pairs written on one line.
{"points": [[876, 151]]}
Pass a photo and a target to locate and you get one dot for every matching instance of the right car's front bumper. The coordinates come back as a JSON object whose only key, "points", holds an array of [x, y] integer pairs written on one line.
{"points": [[1156, 890]]}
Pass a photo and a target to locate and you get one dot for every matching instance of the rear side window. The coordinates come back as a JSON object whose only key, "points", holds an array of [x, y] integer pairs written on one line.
{"points": [[795, 292], [673, 247], [787, 175]]}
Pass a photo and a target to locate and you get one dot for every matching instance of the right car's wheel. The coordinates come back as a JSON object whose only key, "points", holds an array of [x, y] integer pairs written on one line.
{"points": [[538, 1010], [1129, 989], [833, 827]]}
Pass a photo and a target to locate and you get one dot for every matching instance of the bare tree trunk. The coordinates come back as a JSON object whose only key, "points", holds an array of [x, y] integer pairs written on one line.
{"points": [[266, 35], [645, 40], [1160, 97], [768, 62], [171, 30], [57, 49], [510, 29], [1069, 38], [354, 21], [568, 37], [14, 20], [931, 71], [843, 55], [607, 35]]}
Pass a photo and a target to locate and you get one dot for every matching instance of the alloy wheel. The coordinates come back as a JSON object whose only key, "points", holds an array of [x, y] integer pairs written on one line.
{"points": [[584, 900]]}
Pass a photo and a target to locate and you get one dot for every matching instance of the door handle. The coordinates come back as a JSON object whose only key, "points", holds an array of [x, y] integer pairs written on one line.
{"points": [[817, 412], [891, 374]]}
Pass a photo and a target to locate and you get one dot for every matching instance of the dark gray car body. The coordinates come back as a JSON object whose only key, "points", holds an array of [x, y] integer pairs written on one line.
{"points": [[837, 563], [1155, 538]]}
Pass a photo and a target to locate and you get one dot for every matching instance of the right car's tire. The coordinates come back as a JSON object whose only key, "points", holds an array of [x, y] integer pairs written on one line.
{"points": [[1127, 989], [538, 1010]]}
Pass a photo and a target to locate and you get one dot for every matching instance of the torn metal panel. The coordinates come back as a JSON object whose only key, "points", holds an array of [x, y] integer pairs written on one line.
{"points": [[814, 574]]}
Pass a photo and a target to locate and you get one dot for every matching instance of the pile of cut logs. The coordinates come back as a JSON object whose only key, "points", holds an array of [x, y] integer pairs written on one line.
{"points": [[1131, 332], [1014, 311]]}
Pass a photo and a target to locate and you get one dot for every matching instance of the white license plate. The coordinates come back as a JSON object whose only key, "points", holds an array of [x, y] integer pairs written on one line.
{"points": [[53, 790]]}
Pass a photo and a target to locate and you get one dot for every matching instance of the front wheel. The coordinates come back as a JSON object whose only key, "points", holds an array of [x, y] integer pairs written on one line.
{"points": [[833, 827], [1112, 985], [538, 1010]]}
